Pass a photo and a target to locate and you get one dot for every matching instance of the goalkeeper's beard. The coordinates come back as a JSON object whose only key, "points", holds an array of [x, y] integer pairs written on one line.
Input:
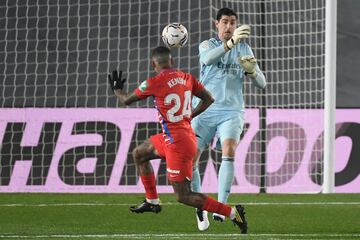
{"points": [[227, 36]]}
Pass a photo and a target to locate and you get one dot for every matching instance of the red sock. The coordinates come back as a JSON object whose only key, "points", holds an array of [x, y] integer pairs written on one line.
{"points": [[150, 186], [211, 205]]}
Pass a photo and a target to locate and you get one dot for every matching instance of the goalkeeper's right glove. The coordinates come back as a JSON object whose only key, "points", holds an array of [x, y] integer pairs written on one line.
{"points": [[240, 33], [115, 81]]}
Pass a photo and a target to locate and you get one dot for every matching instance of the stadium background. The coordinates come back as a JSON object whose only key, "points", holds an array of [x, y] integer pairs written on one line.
{"points": [[69, 66], [54, 60], [57, 54]]}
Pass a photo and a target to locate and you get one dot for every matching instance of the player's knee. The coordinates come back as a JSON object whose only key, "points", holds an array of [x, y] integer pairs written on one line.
{"points": [[182, 198], [229, 148], [136, 155], [182, 194]]}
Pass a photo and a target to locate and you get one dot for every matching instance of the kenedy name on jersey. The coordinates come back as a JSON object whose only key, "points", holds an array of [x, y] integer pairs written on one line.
{"points": [[176, 81]]}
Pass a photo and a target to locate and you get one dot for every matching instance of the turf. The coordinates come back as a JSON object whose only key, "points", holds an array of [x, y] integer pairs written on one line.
{"points": [[106, 216]]}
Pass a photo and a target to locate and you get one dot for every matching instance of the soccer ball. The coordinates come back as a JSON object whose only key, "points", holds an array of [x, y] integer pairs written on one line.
{"points": [[175, 35]]}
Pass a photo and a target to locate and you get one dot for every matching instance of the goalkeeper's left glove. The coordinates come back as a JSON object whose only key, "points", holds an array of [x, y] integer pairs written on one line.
{"points": [[115, 81], [248, 63]]}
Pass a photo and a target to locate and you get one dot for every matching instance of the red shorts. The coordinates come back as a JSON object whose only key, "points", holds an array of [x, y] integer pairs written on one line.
{"points": [[179, 156]]}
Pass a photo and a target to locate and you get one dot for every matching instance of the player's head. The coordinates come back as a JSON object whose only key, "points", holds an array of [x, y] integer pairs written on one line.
{"points": [[225, 23], [161, 58]]}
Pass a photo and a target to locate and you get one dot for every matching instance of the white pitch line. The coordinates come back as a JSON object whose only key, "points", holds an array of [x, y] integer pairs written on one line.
{"points": [[178, 235], [166, 203]]}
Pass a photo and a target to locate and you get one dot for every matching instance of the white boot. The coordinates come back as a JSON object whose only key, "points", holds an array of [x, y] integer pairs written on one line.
{"points": [[202, 219]]}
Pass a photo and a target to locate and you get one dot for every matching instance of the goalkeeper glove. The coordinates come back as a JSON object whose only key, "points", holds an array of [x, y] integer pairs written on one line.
{"points": [[248, 63], [115, 81], [240, 33]]}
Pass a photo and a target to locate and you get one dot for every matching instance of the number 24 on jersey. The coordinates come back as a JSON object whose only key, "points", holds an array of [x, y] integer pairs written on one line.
{"points": [[186, 110]]}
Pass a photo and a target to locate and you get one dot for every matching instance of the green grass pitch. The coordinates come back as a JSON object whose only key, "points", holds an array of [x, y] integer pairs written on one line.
{"points": [[106, 216]]}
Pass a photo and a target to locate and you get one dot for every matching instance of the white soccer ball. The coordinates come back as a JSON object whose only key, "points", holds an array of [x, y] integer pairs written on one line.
{"points": [[175, 35]]}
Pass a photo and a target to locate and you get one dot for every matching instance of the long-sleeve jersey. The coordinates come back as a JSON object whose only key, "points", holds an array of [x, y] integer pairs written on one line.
{"points": [[222, 75]]}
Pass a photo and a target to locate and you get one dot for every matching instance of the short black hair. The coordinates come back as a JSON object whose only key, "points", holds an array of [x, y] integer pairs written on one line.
{"points": [[160, 50], [162, 54], [225, 11]]}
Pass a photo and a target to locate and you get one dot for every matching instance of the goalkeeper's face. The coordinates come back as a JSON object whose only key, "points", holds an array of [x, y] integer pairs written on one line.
{"points": [[226, 27]]}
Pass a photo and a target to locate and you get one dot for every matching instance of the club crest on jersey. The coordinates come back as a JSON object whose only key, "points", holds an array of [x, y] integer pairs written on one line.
{"points": [[205, 44], [143, 86]]}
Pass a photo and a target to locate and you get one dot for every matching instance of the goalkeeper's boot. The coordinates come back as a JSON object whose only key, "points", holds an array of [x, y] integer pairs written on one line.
{"points": [[202, 219], [240, 219], [218, 217], [146, 207]]}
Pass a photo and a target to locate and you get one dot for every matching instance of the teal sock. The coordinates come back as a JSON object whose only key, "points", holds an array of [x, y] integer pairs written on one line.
{"points": [[196, 180], [226, 178]]}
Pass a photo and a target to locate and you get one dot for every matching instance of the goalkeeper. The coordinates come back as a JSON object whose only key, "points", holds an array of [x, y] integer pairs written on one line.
{"points": [[226, 62]]}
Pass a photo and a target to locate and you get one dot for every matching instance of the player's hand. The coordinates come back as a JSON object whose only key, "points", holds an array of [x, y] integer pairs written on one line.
{"points": [[248, 63], [115, 81], [240, 33]]}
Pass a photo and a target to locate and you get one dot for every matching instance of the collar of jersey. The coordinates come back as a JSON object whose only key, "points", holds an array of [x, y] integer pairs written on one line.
{"points": [[167, 69], [217, 38]]}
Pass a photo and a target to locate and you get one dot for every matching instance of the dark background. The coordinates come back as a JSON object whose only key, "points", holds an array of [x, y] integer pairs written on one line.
{"points": [[348, 54], [58, 53]]}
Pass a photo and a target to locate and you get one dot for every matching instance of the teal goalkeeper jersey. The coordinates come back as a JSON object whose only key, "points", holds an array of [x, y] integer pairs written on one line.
{"points": [[222, 75]]}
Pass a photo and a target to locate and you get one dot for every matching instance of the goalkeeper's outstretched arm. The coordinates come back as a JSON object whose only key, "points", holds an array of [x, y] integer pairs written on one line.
{"points": [[210, 54]]}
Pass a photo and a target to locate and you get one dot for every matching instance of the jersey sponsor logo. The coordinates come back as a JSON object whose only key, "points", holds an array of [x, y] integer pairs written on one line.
{"points": [[228, 65], [228, 68], [143, 86], [173, 171]]}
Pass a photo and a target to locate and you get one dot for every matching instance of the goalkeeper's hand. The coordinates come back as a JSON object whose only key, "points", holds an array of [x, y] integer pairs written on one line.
{"points": [[248, 63], [240, 33], [115, 81]]}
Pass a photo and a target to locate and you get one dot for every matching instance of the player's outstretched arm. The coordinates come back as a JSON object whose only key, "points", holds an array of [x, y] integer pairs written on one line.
{"points": [[206, 101], [117, 85]]}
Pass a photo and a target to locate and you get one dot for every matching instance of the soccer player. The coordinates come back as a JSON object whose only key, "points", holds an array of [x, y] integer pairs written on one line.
{"points": [[226, 62], [172, 91]]}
